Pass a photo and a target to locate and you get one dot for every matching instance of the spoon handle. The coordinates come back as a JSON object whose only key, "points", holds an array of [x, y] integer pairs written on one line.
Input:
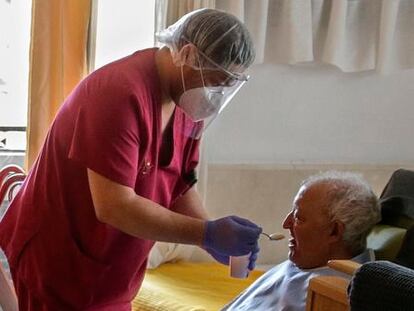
{"points": [[265, 234], [274, 236]]}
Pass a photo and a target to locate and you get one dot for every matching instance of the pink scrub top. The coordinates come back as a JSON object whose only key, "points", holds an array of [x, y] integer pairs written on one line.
{"points": [[111, 124]]}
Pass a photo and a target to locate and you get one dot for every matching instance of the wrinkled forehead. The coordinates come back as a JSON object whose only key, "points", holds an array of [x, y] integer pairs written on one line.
{"points": [[312, 199]]}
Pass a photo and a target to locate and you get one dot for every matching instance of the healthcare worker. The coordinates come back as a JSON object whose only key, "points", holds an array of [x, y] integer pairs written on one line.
{"points": [[117, 167]]}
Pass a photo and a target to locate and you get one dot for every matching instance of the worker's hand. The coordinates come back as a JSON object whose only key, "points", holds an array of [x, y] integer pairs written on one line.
{"points": [[224, 259], [253, 257], [232, 236]]}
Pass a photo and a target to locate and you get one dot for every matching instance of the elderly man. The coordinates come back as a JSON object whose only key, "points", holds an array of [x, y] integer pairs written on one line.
{"points": [[331, 217]]}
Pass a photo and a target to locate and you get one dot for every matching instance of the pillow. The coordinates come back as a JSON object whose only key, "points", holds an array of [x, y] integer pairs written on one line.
{"points": [[163, 252]]}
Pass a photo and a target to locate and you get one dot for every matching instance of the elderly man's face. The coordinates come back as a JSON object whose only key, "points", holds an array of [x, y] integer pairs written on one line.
{"points": [[310, 227]]}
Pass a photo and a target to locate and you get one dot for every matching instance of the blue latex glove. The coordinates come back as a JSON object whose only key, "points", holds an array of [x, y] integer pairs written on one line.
{"points": [[253, 258], [232, 236], [224, 259]]}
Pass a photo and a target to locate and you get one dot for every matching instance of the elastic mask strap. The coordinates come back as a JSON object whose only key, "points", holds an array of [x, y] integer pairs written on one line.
{"points": [[201, 71], [211, 47], [182, 78]]}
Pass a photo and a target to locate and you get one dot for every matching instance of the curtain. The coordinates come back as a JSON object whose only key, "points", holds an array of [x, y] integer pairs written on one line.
{"points": [[354, 35], [58, 60]]}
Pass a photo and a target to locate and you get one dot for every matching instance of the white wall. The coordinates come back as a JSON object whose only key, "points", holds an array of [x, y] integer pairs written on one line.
{"points": [[264, 194], [316, 114], [301, 120]]}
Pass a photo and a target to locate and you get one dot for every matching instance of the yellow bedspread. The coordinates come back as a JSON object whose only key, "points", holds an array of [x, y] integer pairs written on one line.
{"points": [[185, 286]]}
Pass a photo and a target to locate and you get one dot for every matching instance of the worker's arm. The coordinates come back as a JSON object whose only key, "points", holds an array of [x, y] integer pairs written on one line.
{"points": [[120, 207], [190, 204]]}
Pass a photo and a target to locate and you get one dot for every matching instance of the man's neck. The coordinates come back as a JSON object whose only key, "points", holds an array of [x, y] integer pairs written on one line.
{"points": [[168, 74]]}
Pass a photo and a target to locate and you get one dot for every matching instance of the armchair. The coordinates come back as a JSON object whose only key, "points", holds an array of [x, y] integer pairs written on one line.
{"points": [[380, 285], [376, 286]]}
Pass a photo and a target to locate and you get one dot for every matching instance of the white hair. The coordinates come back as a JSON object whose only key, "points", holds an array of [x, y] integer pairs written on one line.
{"points": [[351, 201]]}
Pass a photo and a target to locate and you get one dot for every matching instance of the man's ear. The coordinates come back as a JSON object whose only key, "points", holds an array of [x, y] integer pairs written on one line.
{"points": [[337, 231], [187, 55]]}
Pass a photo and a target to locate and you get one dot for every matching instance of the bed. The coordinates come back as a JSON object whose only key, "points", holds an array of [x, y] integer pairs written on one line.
{"points": [[189, 286]]}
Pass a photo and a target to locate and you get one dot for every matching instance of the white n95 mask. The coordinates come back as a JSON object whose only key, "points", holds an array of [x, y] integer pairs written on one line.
{"points": [[201, 103]]}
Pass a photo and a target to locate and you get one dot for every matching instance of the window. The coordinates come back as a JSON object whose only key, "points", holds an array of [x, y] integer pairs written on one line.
{"points": [[123, 29], [14, 68]]}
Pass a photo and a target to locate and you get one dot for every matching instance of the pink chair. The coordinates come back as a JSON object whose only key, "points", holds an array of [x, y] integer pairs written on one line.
{"points": [[9, 169], [9, 184], [11, 176]]}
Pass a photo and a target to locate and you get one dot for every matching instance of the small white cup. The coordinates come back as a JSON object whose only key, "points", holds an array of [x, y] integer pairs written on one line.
{"points": [[239, 266]]}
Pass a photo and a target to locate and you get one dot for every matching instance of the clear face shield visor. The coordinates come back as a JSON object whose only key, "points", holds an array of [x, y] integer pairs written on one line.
{"points": [[203, 104]]}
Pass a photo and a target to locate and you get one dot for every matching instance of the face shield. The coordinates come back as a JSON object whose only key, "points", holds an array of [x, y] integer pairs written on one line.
{"points": [[204, 103], [220, 51]]}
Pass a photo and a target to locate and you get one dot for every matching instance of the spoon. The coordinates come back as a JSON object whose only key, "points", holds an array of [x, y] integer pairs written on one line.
{"points": [[274, 236]]}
